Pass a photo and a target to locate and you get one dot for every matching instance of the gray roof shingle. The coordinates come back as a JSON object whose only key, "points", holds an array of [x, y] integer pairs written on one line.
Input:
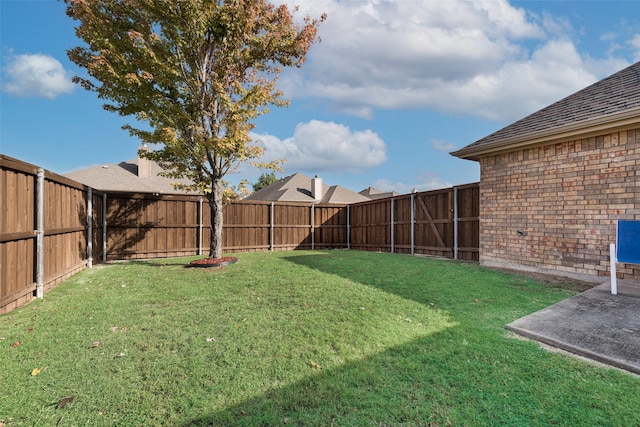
{"points": [[374, 193], [605, 99], [123, 177], [297, 188]]}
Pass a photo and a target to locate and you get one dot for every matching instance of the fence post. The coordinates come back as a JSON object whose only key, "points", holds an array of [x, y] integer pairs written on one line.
{"points": [[40, 233], [348, 228], [313, 228], [455, 223], [199, 225], [413, 222], [271, 227], [104, 226], [89, 227], [392, 228]]}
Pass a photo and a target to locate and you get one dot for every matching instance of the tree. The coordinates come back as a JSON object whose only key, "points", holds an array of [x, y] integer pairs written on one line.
{"points": [[194, 73], [264, 180], [231, 192]]}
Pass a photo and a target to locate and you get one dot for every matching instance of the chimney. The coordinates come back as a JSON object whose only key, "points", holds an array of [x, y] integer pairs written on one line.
{"points": [[144, 164], [316, 188]]}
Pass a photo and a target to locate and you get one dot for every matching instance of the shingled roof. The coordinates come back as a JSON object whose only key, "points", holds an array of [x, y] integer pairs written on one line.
{"points": [[124, 177], [611, 102], [297, 188], [373, 193]]}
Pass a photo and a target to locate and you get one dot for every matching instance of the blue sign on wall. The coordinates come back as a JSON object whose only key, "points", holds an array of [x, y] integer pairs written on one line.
{"points": [[628, 241]]}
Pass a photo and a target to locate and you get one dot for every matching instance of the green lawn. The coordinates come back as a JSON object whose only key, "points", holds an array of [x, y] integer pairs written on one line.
{"points": [[323, 338]]}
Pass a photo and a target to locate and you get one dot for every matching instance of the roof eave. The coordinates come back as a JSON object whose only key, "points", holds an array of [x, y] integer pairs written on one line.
{"points": [[581, 129]]}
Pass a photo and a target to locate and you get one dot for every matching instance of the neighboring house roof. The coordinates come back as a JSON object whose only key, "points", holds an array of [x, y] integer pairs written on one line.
{"points": [[124, 177], [298, 188], [611, 102], [374, 193]]}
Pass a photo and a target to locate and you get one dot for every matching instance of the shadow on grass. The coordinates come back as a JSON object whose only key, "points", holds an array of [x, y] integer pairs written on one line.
{"points": [[465, 374], [459, 287], [392, 388], [157, 262], [422, 280], [433, 381]]}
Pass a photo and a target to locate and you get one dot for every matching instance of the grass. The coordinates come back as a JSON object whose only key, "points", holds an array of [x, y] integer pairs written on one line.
{"points": [[339, 338]]}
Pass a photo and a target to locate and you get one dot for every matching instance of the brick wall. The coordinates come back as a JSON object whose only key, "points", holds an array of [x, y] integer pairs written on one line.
{"points": [[554, 207]]}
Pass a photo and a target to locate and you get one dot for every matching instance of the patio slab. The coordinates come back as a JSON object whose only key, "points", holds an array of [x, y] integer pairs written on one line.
{"points": [[592, 324]]}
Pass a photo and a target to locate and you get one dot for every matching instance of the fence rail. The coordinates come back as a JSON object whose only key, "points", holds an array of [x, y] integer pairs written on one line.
{"points": [[52, 227]]}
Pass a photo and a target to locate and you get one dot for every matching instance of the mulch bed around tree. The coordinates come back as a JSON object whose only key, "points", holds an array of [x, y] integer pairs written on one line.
{"points": [[213, 262]]}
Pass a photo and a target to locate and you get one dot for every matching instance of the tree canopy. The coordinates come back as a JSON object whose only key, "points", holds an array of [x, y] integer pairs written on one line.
{"points": [[194, 74], [267, 178]]}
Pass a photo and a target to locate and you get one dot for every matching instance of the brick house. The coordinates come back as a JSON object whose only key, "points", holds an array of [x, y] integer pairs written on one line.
{"points": [[553, 184]]}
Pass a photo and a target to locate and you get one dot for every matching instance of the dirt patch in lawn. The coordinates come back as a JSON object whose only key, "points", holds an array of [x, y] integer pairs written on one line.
{"points": [[213, 262], [553, 281]]}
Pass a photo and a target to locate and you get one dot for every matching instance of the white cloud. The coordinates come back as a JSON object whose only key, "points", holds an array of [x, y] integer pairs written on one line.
{"points": [[35, 75], [519, 88], [440, 145], [388, 185], [556, 26], [634, 42], [319, 146], [482, 58], [424, 182], [430, 181]]}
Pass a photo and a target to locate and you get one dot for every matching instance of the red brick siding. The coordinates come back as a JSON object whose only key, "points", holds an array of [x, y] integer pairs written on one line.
{"points": [[565, 198]]}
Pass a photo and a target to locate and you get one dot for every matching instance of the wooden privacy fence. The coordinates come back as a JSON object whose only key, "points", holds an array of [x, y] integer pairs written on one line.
{"points": [[441, 223], [161, 226], [44, 232], [52, 227]]}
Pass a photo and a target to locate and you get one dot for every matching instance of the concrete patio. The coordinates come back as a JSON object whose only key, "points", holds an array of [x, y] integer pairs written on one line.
{"points": [[594, 324]]}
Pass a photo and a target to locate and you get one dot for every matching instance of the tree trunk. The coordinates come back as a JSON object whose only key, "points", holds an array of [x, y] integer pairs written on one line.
{"points": [[216, 206]]}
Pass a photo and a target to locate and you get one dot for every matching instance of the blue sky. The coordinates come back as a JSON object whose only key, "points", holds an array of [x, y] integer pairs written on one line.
{"points": [[393, 87]]}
